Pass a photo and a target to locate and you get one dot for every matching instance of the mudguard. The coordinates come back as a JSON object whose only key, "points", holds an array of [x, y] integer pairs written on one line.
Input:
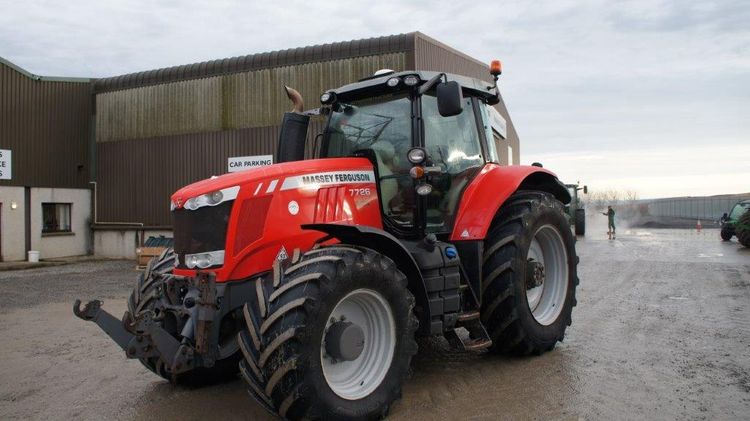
{"points": [[387, 244], [491, 188]]}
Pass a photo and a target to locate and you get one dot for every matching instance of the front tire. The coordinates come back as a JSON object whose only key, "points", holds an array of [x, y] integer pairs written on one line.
{"points": [[293, 363], [530, 275], [727, 231], [144, 299]]}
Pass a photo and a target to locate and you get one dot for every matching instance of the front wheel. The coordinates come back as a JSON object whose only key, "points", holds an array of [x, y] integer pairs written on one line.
{"points": [[331, 336], [529, 275], [727, 231]]}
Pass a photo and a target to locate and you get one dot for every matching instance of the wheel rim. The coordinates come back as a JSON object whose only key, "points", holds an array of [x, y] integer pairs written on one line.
{"points": [[546, 295], [358, 378]]}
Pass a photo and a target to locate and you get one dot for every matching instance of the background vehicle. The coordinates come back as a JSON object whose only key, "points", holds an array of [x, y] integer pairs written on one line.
{"points": [[575, 209], [738, 223], [317, 274]]}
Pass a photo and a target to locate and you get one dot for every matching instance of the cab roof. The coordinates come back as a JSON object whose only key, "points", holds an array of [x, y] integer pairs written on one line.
{"points": [[376, 85]]}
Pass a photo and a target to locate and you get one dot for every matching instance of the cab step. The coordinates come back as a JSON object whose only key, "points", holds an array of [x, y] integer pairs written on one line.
{"points": [[476, 337], [467, 316]]}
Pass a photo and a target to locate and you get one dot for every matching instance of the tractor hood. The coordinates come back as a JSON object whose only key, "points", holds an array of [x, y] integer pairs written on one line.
{"points": [[279, 176], [238, 224]]}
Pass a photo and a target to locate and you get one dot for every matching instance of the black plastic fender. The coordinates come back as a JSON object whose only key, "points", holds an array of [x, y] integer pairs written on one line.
{"points": [[390, 246]]}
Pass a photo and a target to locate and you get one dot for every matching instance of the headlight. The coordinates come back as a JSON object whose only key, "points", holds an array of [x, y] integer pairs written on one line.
{"points": [[424, 189], [416, 155], [204, 260], [411, 80], [327, 98], [211, 199], [393, 82]]}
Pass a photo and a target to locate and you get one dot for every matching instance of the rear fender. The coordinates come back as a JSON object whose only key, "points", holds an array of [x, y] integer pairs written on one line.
{"points": [[390, 246], [491, 188]]}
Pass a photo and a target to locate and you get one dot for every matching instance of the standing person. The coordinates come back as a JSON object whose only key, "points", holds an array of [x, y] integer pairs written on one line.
{"points": [[610, 214]]}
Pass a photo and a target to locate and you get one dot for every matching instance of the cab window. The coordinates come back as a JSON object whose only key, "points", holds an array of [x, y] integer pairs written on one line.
{"points": [[493, 137]]}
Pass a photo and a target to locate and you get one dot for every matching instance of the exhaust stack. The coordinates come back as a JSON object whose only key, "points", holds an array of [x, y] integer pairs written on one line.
{"points": [[293, 130], [298, 104]]}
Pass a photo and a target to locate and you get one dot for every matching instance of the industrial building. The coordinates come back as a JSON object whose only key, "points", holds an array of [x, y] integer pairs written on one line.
{"points": [[45, 197], [90, 164]]}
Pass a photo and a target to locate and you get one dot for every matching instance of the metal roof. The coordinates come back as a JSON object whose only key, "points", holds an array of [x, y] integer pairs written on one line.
{"points": [[292, 56], [43, 78]]}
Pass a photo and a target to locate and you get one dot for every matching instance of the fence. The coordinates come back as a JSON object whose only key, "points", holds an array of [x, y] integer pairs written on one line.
{"points": [[706, 207]]}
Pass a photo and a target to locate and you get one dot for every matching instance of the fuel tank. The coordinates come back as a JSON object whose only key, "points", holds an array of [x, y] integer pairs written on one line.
{"points": [[245, 221]]}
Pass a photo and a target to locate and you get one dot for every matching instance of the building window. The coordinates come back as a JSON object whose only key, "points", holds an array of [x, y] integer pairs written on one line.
{"points": [[56, 217]]}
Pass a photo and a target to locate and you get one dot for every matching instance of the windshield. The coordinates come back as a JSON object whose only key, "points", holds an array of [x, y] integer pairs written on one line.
{"points": [[381, 124], [738, 210]]}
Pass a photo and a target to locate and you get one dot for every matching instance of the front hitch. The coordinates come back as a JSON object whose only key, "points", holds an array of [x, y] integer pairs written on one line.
{"points": [[150, 339], [112, 326]]}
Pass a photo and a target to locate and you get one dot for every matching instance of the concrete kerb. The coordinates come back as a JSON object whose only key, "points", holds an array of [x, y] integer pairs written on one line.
{"points": [[4, 266]]}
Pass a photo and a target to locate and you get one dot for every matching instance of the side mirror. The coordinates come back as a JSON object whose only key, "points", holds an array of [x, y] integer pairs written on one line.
{"points": [[585, 190], [450, 99]]}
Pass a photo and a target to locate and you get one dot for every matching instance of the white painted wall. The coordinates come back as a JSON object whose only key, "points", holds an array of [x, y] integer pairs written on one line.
{"points": [[121, 244], [12, 232], [53, 246]]}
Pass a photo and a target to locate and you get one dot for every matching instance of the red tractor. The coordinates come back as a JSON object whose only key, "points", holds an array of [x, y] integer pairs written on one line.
{"points": [[312, 277]]}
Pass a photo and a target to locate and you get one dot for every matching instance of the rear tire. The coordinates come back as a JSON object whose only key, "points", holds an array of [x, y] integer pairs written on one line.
{"points": [[580, 222], [530, 230], [727, 232], [742, 229], [286, 361], [148, 282]]}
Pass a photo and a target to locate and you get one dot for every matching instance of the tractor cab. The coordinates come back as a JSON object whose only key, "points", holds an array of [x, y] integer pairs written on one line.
{"points": [[427, 134]]}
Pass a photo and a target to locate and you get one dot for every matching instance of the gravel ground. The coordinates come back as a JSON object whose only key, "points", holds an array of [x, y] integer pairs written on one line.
{"points": [[661, 331]]}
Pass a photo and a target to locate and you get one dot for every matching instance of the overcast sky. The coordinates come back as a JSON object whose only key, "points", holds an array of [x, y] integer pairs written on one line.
{"points": [[646, 95]]}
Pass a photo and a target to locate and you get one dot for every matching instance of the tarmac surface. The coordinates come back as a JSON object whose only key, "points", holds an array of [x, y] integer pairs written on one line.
{"points": [[661, 331]]}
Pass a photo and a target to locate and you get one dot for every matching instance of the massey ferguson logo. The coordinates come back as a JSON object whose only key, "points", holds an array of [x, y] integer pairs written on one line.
{"points": [[336, 178], [328, 178]]}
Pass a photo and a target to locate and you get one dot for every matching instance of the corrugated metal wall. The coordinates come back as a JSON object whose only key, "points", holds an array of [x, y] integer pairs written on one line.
{"points": [[136, 177], [240, 100], [430, 54], [46, 124], [258, 99], [181, 107], [708, 207]]}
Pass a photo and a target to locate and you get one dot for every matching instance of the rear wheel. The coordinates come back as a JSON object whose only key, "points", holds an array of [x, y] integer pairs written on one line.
{"points": [[580, 222], [331, 336], [529, 275], [742, 229], [145, 297]]}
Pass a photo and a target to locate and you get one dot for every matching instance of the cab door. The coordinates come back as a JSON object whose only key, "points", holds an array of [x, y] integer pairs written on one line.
{"points": [[453, 144]]}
